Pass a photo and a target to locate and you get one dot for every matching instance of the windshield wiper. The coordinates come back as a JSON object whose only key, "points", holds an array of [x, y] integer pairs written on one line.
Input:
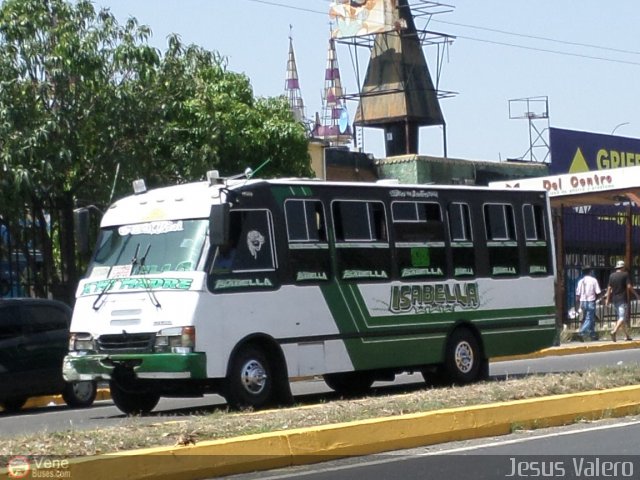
{"points": [[103, 293], [134, 262], [152, 295], [134, 259], [144, 258], [140, 264]]}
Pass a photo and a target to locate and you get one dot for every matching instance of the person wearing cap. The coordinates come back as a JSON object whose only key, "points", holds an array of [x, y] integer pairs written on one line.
{"points": [[587, 293], [619, 289]]}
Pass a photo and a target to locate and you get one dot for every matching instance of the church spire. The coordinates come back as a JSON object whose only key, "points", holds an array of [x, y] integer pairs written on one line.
{"points": [[292, 84], [334, 125]]}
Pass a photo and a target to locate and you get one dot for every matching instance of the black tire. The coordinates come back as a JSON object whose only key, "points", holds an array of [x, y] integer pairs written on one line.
{"points": [[133, 402], [12, 405], [349, 383], [463, 361], [435, 376], [80, 394], [250, 382]]}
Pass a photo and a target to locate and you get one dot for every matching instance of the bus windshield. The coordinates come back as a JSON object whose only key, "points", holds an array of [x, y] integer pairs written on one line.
{"points": [[153, 247]]}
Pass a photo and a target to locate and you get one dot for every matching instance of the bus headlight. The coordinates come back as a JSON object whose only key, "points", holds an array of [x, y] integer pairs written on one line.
{"points": [[176, 340], [81, 342]]}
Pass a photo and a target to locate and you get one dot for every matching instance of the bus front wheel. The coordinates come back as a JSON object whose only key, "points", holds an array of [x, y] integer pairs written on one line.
{"points": [[463, 361], [250, 383]]}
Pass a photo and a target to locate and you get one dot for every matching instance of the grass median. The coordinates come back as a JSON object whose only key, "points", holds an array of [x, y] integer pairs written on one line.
{"points": [[134, 432]]}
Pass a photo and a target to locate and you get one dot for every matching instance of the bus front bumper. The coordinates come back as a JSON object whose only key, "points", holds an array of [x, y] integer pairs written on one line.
{"points": [[153, 366]]}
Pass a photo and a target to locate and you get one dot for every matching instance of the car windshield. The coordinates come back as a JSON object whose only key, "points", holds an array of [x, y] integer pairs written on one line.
{"points": [[152, 247]]}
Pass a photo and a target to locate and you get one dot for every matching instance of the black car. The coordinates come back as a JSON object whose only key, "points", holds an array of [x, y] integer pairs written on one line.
{"points": [[34, 339]]}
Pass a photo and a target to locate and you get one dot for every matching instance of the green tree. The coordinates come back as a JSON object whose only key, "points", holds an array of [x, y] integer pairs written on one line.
{"points": [[61, 65], [86, 106], [206, 117]]}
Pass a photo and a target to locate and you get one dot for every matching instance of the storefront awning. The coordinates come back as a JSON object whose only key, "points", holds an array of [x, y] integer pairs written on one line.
{"points": [[601, 187]]}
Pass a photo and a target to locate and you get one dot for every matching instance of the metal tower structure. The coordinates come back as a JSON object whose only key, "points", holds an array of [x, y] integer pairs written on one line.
{"points": [[536, 111], [397, 75], [292, 86], [333, 127]]}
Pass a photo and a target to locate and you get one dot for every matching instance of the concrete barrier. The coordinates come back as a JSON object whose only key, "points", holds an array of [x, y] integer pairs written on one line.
{"points": [[316, 444]]}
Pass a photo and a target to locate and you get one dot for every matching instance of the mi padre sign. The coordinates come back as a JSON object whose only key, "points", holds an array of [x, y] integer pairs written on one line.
{"points": [[593, 222]]}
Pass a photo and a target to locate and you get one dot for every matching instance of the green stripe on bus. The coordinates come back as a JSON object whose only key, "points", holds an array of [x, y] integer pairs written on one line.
{"points": [[376, 347]]}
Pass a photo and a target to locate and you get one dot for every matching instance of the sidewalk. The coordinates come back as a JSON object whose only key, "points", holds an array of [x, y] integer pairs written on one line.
{"points": [[574, 348]]}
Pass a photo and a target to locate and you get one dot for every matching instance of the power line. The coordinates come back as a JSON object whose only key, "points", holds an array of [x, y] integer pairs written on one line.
{"points": [[276, 4], [535, 37], [546, 50], [495, 42]]}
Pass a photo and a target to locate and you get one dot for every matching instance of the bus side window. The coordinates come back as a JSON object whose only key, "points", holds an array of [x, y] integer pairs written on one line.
{"points": [[362, 246], [536, 240], [501, 239], [462, 249], [250, 247], [308, 259], [419, 235], [223, 261]]}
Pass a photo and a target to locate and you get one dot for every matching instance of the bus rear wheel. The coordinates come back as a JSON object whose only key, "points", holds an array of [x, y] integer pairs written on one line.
{"points": [[463, 361], [132, 402], [250, 383]]}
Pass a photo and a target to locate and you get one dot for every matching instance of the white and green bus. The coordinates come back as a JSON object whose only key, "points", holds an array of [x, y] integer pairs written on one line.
{"points": [[238, 286]]}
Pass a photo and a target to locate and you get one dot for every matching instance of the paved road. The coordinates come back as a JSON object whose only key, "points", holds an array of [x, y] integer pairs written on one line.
{"points": [[104, 413], [604, 449]]}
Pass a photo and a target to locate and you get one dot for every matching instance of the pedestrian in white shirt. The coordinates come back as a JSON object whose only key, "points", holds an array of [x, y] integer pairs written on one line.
{"points": [[587, 293]]}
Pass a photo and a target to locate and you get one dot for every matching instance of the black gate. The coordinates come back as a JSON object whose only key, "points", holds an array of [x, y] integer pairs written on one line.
{"points": [[596, 236], [22, 264]]}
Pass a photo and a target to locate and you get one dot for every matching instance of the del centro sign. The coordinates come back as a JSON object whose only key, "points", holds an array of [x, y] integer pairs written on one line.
{"points": [[575, 183]]}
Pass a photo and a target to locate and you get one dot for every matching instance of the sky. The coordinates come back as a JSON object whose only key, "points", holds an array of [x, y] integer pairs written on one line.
{"points": [[583, 56]]}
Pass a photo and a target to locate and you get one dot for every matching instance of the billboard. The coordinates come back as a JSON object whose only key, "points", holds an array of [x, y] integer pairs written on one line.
{"points": [[362, 17], [573, 151]]}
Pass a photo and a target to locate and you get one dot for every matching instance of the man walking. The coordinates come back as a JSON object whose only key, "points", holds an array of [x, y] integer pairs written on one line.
{"points": [[619, 289], [587, 293]]}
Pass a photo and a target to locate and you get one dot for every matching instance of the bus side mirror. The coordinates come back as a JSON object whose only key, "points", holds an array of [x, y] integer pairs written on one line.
{"points": [[81, 221], [219, 224]]}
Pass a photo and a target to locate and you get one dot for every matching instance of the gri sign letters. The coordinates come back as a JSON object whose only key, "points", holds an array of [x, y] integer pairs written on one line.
{"points": [[614, 159]]}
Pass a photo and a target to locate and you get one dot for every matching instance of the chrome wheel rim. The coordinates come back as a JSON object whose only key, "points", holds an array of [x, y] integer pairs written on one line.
{"points": [[253, 377], [464, 357]]}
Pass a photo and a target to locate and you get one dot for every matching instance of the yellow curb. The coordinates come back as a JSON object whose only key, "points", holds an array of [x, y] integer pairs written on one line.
{"points": [[308, 445], [38, 402]]}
